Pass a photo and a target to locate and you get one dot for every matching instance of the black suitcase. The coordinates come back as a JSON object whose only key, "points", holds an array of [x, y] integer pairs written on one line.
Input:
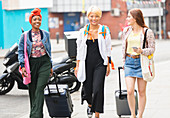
{"points": [[122, 106], [58, 101]]}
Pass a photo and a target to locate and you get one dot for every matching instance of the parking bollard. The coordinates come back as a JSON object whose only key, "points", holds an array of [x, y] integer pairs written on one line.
{"points": [[57, 37]]}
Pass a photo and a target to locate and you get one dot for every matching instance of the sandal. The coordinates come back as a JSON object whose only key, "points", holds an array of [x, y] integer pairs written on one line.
{"points": [[89, 112]]}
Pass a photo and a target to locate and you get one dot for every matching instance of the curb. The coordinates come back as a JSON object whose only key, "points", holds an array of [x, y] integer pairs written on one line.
{"points": [[116, 45], [60, 51]]}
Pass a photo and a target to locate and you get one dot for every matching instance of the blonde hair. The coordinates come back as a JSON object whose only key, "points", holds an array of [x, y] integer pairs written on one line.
{"points": [[94, 9]]}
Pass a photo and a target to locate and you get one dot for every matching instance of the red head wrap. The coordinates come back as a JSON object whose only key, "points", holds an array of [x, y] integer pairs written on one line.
{"points": [[35, 12]]}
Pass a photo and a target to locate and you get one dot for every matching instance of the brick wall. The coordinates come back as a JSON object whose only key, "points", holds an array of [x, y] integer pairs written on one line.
{"points": [[168, 16], [113, 22], [61, 26]]}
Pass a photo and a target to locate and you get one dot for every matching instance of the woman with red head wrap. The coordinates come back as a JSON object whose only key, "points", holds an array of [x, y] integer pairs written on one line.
{"points": [[35, 12], [39, 53]]}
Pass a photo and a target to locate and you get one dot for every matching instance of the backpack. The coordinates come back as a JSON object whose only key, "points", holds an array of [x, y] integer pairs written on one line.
{"points": [[86, 32], [103, 30]]}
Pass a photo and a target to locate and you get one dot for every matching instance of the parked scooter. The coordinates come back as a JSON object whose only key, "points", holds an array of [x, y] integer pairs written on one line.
{"points": [[63, 72], [11, 73]]}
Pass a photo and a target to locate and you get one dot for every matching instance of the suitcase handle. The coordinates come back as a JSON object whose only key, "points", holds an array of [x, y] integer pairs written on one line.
{"points": [[120, 89], [119, 68], [55, 84]]}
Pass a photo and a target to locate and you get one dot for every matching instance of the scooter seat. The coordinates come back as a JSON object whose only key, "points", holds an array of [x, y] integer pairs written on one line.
{"points": [[60, 60], [62, 67]]}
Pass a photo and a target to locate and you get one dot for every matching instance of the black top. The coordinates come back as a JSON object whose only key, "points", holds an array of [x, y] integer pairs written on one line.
{"points": [[93, 53]]}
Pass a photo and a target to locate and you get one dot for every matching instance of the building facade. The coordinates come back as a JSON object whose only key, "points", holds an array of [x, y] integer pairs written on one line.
{"points": [[14, 15], [64, 14], [167, 12], [156, 15]]}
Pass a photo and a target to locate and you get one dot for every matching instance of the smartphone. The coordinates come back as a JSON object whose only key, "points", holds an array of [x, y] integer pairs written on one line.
{"points": [[134, 47]]}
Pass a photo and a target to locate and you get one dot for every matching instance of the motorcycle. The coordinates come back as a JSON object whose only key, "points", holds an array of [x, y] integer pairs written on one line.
{"points": [[63, 73]]}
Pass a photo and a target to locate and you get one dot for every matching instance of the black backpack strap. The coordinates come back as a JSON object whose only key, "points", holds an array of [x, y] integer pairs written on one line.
{"points": [[144, 41]]}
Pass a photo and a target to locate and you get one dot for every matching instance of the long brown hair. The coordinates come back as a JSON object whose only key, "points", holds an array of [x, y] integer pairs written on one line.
{"points": [[138, 16]]}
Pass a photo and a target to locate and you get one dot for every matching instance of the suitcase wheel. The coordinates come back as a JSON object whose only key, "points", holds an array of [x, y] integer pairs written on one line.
{"points": [[119, 116]]}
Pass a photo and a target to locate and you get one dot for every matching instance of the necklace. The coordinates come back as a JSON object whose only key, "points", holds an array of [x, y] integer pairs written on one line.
{"points": [[91, 37]]}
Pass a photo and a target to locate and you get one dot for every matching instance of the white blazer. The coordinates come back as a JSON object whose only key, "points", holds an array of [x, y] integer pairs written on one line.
{"points": [[104, 49]]}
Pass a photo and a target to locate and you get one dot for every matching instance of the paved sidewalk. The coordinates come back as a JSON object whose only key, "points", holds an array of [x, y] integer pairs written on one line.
{"points": [[158, 97], [55, 48]]}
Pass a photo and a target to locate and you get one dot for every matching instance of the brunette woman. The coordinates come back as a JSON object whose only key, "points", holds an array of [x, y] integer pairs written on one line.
{"points": [[133, 37]]}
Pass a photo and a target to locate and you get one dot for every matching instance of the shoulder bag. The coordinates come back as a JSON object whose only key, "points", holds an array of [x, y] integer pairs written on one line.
{"points": [[147, 64], [26, 80]]}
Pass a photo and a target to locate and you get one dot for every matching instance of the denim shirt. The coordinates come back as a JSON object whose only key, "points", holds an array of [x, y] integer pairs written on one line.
{"points": [[45, 40]]}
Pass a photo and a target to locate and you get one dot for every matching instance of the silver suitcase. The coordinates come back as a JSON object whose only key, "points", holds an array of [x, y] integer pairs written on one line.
{"points": [[122, 106]]}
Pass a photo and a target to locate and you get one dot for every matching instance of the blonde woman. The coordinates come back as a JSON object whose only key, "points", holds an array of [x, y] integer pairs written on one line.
{"points": [[133, 37], [93, 55]]}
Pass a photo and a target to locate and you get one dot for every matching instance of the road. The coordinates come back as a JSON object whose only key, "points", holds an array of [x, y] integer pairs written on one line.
{"points": [[16, 103]]}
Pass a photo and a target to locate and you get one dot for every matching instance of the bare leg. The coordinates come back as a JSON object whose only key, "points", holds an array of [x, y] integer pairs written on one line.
{"points": [[130, 84], [96, 114], [142, 95]]}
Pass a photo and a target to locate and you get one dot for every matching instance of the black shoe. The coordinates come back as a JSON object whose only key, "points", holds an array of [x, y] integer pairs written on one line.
{"points": [[89, 112]]}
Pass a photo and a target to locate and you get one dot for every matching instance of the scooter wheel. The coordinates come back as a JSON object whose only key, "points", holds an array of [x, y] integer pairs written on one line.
{"points": [[6, 84], [75, 87]]}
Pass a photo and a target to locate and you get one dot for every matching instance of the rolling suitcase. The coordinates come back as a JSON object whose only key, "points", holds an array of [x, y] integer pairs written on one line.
{"points": [[58, 101], [122, 106]]}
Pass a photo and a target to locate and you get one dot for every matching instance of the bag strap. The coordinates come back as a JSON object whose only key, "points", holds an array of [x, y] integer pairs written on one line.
{"points": [[103, 32], [144, 41], [86, 32], [25, 42]]}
